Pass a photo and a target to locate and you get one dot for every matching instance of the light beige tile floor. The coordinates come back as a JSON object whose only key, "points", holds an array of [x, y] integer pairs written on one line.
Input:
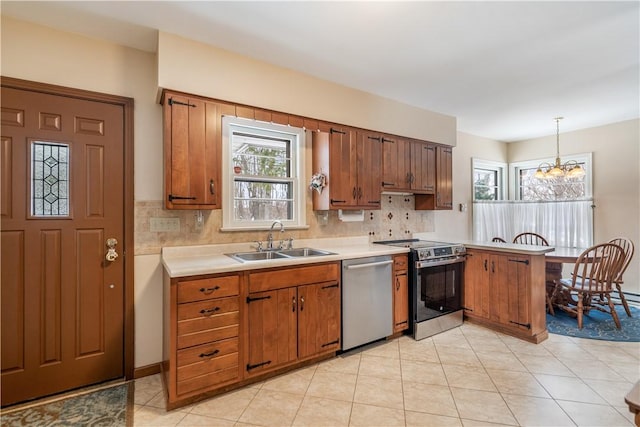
{"points": [[468, 376]]}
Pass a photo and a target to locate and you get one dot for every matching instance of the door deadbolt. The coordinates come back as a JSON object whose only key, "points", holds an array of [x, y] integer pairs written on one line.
{"points": [[111, 250]]}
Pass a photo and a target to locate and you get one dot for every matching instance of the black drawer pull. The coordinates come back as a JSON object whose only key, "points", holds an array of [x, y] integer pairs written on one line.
{"points": [[330, 343], [330, 286], [172, 198], [250, 299], [209, 290], [257, 365], [338, 201], [209, 311], [375, 138], [337, 131], [388, 140], [385, 184], [210, 354], [522, 261]]}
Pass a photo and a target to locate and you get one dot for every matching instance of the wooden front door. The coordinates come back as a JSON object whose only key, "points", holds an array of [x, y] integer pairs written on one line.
{"points": [[62, 198]]}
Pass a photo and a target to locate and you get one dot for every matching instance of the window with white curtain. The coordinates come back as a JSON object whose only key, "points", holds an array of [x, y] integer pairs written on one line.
{"points": [[561, 210]]}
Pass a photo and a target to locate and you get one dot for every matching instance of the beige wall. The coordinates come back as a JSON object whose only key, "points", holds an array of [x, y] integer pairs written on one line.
{"points": [[616, 178], [206, 70]]}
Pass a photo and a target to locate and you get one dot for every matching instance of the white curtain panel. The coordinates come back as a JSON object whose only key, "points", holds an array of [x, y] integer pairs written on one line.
{"points": [[562, 223]]}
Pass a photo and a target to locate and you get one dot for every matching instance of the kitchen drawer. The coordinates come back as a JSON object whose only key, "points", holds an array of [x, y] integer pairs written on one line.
{"points": [[278, 279], [201, 289], [209, 380], [207, 309], [400, 263], [207, 352], [208, 366], [212, 322], [207, 335]]}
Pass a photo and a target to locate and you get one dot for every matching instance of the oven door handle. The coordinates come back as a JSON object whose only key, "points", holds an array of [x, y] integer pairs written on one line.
{"points": [[424, 264], [370, 264]]}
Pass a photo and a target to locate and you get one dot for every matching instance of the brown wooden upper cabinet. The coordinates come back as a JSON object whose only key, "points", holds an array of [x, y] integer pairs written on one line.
{"points": [[352, 162], [442, 198], [192, 150], [408, 165]]}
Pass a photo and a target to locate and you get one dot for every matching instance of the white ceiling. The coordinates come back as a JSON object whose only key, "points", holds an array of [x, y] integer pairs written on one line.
{"points": [[504, 69]]}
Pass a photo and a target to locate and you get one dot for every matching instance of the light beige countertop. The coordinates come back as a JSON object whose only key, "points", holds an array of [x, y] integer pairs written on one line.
{"points": [[514, 248], [181, 261]]}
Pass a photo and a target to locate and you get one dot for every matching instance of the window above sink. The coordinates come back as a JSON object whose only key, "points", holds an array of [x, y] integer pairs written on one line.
{"points": [[262, 174]]}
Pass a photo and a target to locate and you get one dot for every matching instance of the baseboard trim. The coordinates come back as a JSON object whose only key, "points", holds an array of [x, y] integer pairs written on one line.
{"points": [[145, 371]]}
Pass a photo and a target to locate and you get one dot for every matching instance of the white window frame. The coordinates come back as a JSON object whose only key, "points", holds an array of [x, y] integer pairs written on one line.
{"points": [[297, 138], [514, 172], [499, 167]]}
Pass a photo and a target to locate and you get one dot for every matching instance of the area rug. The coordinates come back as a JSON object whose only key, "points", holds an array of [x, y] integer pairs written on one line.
{"points": [[597, 325], [105, 408]]}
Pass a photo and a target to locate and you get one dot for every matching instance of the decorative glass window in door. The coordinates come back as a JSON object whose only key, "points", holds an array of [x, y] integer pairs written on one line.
{"points": [[49, 179]]}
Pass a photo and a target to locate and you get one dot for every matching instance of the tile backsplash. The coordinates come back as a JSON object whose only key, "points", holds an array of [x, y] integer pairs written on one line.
{"points": [[397, 219]]}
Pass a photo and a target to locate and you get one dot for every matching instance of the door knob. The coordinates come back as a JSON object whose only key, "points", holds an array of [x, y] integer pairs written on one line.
{"points": [[111, 251]]}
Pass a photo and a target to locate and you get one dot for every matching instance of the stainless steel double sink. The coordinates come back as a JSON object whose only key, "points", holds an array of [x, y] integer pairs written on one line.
{"points": [[278, 254]]}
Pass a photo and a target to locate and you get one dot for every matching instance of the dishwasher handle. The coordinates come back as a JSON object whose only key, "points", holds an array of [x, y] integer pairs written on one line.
{"points": [[367, 265]]}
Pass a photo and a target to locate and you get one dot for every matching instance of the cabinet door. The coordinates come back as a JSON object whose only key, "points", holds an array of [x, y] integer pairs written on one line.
{"points": [[272, 329], [519, 302], [342, 168], [423, 167], [477, 284], [396, 164], [400, 302], [192, 138], [444, 178], [369, 167], [318, 319]]}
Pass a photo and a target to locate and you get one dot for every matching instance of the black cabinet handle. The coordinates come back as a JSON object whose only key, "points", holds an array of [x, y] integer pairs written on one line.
{"points": [[209, 311], [210, 354], [337, 201], [257, 365], [332, 130], [523, 261], [172, 198], [173, 101], [209, 290], [212, 188], [485, 265], [250, 299]]}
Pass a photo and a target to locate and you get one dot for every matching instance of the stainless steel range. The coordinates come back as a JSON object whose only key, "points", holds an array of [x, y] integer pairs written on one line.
{"points": [[436, 277]]}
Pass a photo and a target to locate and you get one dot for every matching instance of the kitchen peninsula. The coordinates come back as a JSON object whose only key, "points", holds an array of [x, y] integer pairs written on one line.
{"points": [[207, 312]]}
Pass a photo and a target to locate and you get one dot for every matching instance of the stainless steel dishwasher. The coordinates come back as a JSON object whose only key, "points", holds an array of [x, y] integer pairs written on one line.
{"points": [[366, 300]]}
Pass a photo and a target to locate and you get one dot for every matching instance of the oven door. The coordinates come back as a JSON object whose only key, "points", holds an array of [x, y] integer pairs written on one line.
{"points": [[437, 288]]}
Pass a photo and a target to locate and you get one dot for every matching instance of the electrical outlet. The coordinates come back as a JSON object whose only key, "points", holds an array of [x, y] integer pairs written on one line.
{"points": [[164, 224]]}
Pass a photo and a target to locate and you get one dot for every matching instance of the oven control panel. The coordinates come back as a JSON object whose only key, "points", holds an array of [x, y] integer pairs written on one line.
{"points": [[440, 252]]}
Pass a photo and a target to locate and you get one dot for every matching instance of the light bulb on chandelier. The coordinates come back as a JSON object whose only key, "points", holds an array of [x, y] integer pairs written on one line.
{"points": [[569, 169]]}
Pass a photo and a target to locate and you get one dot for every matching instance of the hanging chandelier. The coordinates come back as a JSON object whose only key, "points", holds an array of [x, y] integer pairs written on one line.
{"points": [[569, 169]]}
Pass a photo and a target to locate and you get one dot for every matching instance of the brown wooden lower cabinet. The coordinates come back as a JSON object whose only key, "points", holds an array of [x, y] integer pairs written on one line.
{"points": [[227, 330], [506, 292], [400, 293], [293, 321]]}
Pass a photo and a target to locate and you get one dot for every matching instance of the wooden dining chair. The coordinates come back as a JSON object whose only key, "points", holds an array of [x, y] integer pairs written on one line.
{"points": [[498, 240], [629, 249], [529, 238], [591, 283]]}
